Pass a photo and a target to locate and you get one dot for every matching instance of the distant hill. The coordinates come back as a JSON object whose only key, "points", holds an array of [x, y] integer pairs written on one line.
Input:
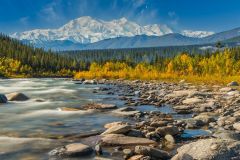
{"points": [[173, 39], [222, 36]]}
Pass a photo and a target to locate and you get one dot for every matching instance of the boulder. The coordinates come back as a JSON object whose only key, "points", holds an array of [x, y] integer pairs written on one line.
{"points": [[17, 97], [209, 149], [121, 140], [120, 129], [152, 152], [72, 150], [172, 130], [3, 98]]}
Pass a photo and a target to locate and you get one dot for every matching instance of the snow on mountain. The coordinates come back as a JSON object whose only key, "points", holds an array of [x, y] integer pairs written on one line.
{"points": [[88, 30], [196, 34]]}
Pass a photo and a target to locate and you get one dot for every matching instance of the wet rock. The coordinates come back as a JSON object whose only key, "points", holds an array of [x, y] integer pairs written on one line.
{"points": [[152, 152], [121, 140], [68, 109], [236, 126], [211, 149], [99, 106], [3, 98], [233, 83], [72, 150], [17, 97], [126, 111], [172, 130], [89, 82], [120, 129]]}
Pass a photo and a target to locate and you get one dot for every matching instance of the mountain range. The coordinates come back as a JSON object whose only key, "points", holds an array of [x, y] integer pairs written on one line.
{"points": [[89, 33]]}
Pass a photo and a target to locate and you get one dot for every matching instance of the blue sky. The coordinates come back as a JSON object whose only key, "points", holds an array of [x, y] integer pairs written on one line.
{"points": [[209, 15]]}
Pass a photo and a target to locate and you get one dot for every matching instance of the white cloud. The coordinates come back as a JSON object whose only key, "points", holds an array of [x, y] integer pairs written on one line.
{"points": [[173, 18], [138, 3]]}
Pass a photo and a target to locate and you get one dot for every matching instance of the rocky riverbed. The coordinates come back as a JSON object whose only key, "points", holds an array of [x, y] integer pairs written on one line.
{"points": [[158, 121]]}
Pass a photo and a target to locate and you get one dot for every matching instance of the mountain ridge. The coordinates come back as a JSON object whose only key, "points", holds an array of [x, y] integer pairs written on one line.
{"points": [[88, 30]]}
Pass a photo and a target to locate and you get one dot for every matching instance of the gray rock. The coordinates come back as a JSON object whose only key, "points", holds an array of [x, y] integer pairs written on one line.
{"points": [[152, 152], [121, 140], [209, 149], [3, 98], [72, 150], [17, 97]]}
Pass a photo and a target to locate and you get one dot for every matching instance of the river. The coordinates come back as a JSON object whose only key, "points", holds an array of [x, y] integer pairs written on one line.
{"points": [[30, 129]]}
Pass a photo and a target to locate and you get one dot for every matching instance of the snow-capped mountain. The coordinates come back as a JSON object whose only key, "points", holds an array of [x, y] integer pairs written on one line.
{"points": [[86, 30], [196, 34]]}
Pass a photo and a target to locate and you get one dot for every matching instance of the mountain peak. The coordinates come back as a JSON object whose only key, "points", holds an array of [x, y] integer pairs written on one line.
{"points": [[88, 30], [123, 19], [196, 34]]}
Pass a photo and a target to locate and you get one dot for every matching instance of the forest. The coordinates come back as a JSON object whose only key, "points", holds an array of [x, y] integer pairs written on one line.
{"points": [[219, 67], [168, 63]]}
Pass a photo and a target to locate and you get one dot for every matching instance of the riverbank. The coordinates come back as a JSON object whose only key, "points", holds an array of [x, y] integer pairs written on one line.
{"points": [[148, 119], [204, 122]]}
